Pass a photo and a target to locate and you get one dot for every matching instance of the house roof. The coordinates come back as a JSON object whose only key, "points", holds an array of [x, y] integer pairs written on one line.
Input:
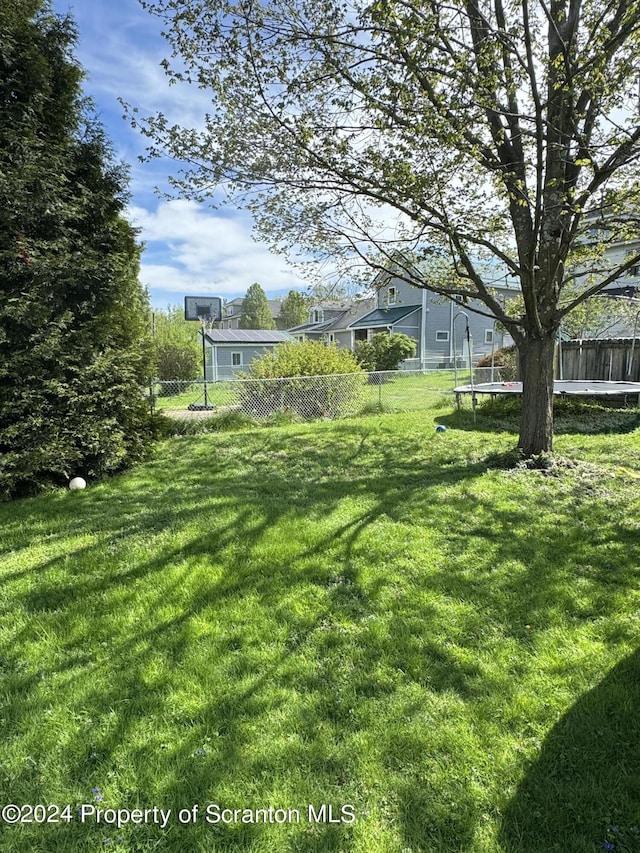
{"points": [[330, 304], [312, 327], [350, 315], [339, 320], [247, 336], [383, 317]]}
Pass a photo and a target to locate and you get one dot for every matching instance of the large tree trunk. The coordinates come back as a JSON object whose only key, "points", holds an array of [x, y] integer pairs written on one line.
{"points": [[536, 424]]}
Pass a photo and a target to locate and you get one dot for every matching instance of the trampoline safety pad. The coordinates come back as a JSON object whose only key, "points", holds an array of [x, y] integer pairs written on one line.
{"points": [[561, 388]]}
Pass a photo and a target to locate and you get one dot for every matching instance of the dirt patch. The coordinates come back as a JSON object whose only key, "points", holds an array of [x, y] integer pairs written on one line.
{"points": [[188, 414]]}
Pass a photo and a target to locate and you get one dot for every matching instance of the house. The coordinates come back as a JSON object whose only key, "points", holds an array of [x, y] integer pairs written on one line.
{"points": [[617, 239], [438, 325], [229, 352], [603, 249], [328, 321], [232, 312]]}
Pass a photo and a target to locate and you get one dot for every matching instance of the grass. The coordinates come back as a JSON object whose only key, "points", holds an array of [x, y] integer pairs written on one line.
{"points": [[363, 614]]}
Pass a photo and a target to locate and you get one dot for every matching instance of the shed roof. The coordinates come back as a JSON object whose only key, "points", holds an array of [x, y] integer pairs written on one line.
{"points": [[247, 336]]}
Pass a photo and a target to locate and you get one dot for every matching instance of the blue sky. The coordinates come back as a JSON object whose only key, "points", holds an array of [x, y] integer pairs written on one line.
{"points": [[190, 248]]}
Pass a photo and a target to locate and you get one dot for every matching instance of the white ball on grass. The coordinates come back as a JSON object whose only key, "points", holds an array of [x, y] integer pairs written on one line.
{"points": [[78, 483]]}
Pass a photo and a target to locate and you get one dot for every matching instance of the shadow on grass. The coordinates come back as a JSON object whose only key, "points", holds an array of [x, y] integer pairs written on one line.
{"points": [[295, 646], [586, 417], [583, 791]]}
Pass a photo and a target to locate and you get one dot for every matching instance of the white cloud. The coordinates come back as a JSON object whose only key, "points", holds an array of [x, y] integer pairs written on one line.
{"points": [[193, 250]]}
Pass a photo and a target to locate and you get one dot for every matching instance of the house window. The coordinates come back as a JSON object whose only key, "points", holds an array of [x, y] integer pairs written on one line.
{"points": [[316, 316], [442, 336], [391, 296], [236, 359], [488, 336], [229, 312]]}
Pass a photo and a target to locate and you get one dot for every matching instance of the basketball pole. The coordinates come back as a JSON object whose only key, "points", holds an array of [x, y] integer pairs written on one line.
{"points": [[207, 309], [204, 368]]}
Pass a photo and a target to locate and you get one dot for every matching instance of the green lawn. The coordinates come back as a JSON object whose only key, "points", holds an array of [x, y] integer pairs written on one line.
{"points": [[363, 614]]}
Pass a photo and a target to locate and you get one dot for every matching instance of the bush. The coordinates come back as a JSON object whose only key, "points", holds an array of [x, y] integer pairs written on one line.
{"points": [[303, 358], [176, 361], [91, 424], [305, 380], [506, 359], [385, 352], [176, 365]]}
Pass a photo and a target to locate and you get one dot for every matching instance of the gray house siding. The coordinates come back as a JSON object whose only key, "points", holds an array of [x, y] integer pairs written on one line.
{"points": [[343, 338], [220, 359], [446, 331], [409, 326]]}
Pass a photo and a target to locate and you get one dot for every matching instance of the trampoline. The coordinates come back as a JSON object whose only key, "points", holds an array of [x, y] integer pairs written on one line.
{"points": [[561, 388]]}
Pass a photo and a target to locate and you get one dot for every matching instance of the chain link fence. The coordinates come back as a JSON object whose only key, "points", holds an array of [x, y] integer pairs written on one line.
{"points": [[309, 398]]}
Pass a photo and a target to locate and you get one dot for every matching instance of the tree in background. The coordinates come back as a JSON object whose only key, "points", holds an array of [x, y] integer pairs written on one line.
{"points": [[592, 318], [598, 316], [293, 311], [385, 352], [256, 313], [177, 345], [75, 355], [424, 140], [338, 291]]}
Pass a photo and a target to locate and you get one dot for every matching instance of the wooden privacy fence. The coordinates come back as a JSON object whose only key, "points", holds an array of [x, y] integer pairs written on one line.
{"points": [[613, 359]]}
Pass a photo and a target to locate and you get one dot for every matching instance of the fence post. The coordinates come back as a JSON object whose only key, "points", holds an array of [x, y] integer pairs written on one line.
{"points": [[633, 344]]}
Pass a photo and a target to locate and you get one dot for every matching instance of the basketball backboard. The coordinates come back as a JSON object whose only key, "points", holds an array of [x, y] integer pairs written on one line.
{"points": [[202, 308]]}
